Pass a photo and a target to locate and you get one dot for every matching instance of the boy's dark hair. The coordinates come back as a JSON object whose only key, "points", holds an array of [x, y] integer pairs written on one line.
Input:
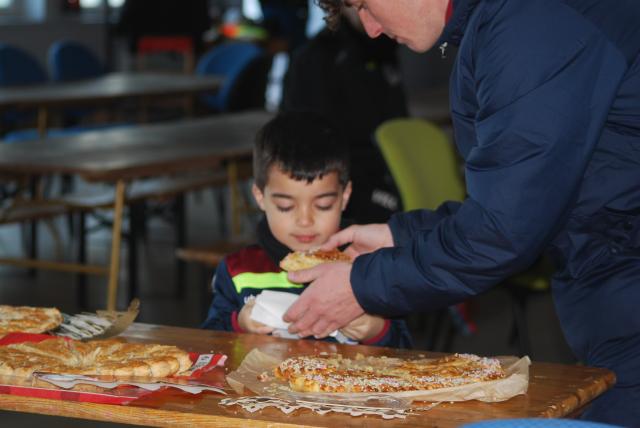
{"points": [[302, 144], [333, 10]]}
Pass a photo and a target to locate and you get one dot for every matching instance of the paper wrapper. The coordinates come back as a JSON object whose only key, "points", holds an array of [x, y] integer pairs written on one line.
{"points": [[257, 362]]}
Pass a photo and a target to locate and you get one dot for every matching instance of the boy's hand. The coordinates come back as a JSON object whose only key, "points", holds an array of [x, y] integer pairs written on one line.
{"points": [[247, 324], [363, 239], [364, 327]]}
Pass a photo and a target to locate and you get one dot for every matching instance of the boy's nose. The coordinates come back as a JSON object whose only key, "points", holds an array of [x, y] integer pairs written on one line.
{"points": [[371, 25], [305, 217]]}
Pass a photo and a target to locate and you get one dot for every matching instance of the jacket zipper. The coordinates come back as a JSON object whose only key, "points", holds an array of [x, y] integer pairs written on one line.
{"points": [[443, 50]]}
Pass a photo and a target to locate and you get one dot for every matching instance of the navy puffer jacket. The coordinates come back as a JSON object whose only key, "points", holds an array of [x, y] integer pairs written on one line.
{"points": [[545, 101]]}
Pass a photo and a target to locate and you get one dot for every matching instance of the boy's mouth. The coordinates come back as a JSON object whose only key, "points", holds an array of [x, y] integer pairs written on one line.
{"points": [[305, 239]]}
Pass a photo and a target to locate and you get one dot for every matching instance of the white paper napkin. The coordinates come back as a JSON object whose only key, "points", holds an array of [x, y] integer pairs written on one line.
{"points": [[271, 306]]}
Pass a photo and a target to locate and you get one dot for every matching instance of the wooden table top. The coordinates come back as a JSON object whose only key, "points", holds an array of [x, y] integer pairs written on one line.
{"points": [[112, 86], [555, 390], [138, 151]]}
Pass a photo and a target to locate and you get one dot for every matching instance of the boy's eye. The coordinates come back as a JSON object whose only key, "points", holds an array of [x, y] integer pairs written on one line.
{"points": [[324, 207], [284, 209]]}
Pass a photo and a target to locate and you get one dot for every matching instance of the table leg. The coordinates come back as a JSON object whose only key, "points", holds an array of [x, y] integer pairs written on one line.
{"points": [[43, 118], [114, 266]]}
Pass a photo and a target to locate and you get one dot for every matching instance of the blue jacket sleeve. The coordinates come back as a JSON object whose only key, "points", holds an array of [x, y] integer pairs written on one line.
{"points": [[225, 301], [539, 118], [404, 226]]}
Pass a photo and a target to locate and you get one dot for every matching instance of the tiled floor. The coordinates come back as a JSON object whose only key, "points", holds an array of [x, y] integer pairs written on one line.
{"points": [[491, 312]]}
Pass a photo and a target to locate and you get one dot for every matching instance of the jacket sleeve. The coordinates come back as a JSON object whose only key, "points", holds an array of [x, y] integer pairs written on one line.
{"points": [[404, 226], [226, 302], [540, 116], [395, 334]]}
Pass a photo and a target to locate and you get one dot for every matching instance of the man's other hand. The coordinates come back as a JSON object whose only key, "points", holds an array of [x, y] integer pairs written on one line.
{"points": [[327, 304], [363, 239]]}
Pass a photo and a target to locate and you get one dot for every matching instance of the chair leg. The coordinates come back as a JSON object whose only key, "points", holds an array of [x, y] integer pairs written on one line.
{"points": [[219, 195], [521, 326], [181, 238], [81, 278], [33, 245], [136, 226], [207, 292]]}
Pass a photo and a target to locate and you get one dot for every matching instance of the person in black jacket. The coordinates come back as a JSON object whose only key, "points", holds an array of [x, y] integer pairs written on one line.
{"points": [[302, 189], [355, 81]]}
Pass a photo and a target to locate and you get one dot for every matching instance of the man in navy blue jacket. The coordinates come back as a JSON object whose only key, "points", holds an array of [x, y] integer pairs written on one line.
{"points": [[545, 101]]}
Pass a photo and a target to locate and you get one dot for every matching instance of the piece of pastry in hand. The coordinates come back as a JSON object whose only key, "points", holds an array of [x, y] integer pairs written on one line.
{"points": [[28, 319], [299, 260]]}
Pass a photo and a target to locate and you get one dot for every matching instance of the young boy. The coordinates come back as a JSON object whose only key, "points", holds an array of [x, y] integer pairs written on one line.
{"points": [[302, 184]]}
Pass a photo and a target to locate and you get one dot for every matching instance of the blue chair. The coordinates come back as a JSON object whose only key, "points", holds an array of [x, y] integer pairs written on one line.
{"points": [[245, 68], [17, 67], [537, 423], [69, 60]]}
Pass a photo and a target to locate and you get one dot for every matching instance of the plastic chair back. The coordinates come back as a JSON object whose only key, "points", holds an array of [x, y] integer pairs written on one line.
{"points": [[17, 67], [422, 162], [69, 60], [235, 62], [152, 45]]}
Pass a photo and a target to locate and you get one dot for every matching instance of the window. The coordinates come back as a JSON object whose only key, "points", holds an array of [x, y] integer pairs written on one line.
{"points": [[92, 4], [7, 6]]}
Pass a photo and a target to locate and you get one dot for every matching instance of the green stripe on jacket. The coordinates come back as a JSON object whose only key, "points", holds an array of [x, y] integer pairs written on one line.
{"points": [[263, 280]]}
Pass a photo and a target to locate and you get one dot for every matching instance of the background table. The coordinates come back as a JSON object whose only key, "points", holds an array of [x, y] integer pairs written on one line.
{"points": [[554, 391], [103, 89], [122, 155]]}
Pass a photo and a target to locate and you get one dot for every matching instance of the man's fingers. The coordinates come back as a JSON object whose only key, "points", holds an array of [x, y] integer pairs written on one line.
{"points": [[319, 328], [345, 236], [296, 310], [303, 325], [305, 275]]}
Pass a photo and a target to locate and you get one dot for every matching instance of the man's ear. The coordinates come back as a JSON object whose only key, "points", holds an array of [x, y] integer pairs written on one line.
{"points": [[346, 194], [258, 195]]}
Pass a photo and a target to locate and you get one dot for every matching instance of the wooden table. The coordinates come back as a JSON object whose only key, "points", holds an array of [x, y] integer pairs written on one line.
{"points": [[555, 390], [122, 155], [99, 90]]}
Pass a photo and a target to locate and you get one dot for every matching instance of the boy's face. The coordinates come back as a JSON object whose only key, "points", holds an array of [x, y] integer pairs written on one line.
{"points": [[302, 215]]}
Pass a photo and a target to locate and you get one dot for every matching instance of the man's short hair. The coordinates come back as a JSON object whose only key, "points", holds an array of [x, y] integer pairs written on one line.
{"points": [[302, 144], [333, 10]]}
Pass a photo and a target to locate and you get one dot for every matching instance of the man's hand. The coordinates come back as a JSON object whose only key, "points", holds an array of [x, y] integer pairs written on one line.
{"points": [[364, 327], [247, 324], [363, 239], [327, 304]]}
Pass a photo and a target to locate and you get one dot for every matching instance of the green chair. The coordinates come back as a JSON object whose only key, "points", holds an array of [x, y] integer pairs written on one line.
{"points": [[425, 168], [422, 162]]}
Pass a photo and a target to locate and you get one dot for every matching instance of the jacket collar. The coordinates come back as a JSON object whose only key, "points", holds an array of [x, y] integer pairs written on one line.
{"points": [[454, 29], [274, 248]]}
